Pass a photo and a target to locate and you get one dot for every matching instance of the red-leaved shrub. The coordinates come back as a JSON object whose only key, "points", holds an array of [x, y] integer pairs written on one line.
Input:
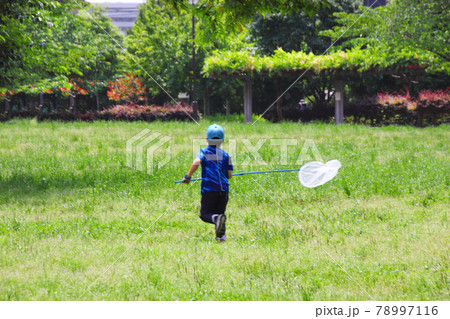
{"points": [[134, 112], [128, 89], [428, 108], [437, 99], [396, 100]]}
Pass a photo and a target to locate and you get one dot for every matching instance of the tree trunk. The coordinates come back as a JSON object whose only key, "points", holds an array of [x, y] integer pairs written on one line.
{"points": [[227, 107], [72, 104], [206, 109], [41, 106], [279, 102], [25, 103], [55, 103], [420, 118], [41, 102], [98, 102], [7, 109]]}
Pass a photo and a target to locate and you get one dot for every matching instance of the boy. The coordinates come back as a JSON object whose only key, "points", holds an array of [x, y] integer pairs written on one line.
{"points": [[216, 170]]}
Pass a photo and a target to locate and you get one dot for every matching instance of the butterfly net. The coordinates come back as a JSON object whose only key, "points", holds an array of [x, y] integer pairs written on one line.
{"points": [[314, 174]]}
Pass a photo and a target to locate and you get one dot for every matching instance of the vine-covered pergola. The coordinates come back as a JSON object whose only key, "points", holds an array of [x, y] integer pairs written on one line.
{"points": [[339, 66]]}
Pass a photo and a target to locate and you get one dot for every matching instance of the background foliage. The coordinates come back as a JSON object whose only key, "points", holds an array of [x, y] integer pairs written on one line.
{"points": [[416, 26], [44, 43], [44, 49]]}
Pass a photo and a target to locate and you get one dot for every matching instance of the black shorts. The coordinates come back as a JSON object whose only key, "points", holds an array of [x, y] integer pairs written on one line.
{"points": [[213, 203]]}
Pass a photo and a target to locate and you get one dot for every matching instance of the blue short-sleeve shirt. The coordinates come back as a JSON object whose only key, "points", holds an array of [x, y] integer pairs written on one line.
{"points": [[215, 166]]}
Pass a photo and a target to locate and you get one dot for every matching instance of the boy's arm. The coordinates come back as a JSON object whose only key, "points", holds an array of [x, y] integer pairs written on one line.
{"points": [[192, 169], [230, 167]]}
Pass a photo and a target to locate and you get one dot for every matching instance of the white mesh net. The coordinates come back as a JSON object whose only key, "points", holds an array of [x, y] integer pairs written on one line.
{"points": [[314, 174]]}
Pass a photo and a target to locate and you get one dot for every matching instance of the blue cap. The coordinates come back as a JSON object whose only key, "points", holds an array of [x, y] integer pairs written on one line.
{"points": [[215, 132]]}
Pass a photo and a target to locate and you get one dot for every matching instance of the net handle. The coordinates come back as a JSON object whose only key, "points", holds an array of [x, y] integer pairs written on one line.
{"points": [[249, 173]]}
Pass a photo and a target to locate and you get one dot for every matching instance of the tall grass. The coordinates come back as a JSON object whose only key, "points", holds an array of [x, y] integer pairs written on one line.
{"points": [[76, 222]]}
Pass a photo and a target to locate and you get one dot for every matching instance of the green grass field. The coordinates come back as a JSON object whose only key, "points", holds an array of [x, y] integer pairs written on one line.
{"points": [[77, 223]]}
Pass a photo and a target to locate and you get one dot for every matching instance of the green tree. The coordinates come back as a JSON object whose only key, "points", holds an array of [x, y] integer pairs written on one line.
{"points": [[104, 40], [159, 50], [24, 28], [222, 16], [300, 31], [413, 24], [43, 43]]}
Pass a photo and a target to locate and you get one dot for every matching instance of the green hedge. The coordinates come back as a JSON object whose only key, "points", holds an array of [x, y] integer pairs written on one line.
{"points": [[235, 63]]}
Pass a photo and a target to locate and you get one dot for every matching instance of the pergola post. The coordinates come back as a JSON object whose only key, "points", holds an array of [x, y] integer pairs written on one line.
{"points": [[339, 101], [247, 100]]}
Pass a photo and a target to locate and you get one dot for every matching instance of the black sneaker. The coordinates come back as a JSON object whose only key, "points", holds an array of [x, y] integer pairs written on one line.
{"points": [[220, 226]]}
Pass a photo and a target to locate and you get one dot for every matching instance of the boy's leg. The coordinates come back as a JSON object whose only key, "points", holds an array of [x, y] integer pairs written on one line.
{"points": [[207, 208], [221, 206], [212, 210]]}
